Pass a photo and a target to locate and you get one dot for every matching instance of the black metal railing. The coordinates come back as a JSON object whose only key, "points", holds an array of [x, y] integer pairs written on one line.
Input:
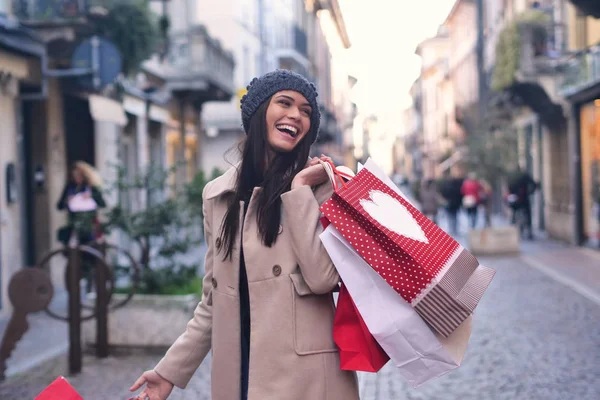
{"points": [[56, 11], [582, 70], [49, 10], [300, 40]]}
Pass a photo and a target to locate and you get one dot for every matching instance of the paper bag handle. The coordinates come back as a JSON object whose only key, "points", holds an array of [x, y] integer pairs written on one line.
{"points": [[334, 173]]}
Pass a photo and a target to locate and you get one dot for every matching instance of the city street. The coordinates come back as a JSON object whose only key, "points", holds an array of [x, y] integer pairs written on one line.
{"points": [[533, 338], [136, 123]]}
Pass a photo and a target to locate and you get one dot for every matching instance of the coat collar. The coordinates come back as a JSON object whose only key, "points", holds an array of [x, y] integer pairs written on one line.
{"points": [[223, 184]]}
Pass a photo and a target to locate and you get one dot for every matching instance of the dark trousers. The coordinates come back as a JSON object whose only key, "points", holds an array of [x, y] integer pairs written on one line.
{"points": [[452, 214], [526, 207], [472, 213]]}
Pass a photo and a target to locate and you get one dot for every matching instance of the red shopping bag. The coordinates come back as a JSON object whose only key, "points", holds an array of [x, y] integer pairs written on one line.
{"points": [[59, 390], [359, 351], [427, 267]]}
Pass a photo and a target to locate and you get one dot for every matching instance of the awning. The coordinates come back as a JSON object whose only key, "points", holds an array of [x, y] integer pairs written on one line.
{"points": [[137, 107], [19, 41], [107, 110], [159, 114]]}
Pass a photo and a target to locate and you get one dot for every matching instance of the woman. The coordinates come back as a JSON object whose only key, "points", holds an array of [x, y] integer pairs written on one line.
{"points": [[83, 187], [82, 197], [267, 306]]}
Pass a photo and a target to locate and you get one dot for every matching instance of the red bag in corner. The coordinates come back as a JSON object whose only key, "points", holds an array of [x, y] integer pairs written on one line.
{"points": [[59, 390], [359, 351]]}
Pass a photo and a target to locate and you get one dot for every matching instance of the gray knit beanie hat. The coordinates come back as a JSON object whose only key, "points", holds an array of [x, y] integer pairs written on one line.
{"points": [[260, 89]]}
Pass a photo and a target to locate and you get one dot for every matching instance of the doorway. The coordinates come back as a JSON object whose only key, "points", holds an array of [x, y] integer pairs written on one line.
{"points": [[79, 131]]}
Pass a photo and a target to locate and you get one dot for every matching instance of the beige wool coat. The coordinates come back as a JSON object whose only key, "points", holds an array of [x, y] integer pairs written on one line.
{"points": [[292, 352]]}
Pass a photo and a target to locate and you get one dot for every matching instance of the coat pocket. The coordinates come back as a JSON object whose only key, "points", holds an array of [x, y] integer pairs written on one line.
{"points": [[312, 319]]}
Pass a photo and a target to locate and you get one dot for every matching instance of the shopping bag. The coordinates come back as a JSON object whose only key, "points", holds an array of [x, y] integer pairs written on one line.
{"points": [[59, 390], [359, 351], [418, 352], [426, 266], [82, 202]]}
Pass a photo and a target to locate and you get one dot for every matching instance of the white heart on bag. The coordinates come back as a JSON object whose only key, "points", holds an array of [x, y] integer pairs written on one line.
{"points": [[392, 214]]}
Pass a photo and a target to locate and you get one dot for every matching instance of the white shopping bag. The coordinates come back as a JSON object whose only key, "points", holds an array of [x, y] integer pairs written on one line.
{"points": [[81, 203], [419, 354]]}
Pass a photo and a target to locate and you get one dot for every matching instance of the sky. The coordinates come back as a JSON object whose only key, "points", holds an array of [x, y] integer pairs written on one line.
{"points": [[384, 35]]}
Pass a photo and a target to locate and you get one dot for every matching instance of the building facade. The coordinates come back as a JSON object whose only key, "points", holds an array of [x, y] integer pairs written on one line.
{"points": [[49, 121], [265, 35]]}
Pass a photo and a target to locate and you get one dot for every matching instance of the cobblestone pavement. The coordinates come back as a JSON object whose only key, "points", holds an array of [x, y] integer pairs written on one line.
{"points": [[102, 379], [533, 339]]}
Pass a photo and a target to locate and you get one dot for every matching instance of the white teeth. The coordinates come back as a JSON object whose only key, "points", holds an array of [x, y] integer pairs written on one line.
{"points": [[289, 128]]}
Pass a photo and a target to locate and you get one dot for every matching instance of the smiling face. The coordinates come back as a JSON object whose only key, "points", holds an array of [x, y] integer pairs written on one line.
{"points": [[288, 120]]}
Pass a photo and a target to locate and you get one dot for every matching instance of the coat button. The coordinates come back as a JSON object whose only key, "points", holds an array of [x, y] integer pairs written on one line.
{"points": [[276, 270], [218, 243], [214, 283]]}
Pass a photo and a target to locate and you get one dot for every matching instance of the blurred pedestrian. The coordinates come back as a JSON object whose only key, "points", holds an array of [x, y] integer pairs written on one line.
{"points": [[82, 197], [521, 187], [262, 226], [452, 195], [430, 199], [471, 190]]}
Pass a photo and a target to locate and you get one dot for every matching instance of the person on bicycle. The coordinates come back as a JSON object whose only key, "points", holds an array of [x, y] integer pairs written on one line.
{"points": [[520, 188]]}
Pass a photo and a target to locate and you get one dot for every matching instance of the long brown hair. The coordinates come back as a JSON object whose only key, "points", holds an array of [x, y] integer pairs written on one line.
{"points": [[274, 177]]}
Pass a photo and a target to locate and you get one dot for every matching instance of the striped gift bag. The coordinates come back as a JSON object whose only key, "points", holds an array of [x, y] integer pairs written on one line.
{"points": [[427, 267]]}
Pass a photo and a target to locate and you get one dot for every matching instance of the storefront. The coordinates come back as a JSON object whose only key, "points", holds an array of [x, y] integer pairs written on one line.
{"points": [[589, 129], [19, 66]]}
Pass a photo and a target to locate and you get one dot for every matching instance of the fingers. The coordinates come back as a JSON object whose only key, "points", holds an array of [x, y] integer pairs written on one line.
{"points": [[313, 161], [326, 158], [138, 384]]}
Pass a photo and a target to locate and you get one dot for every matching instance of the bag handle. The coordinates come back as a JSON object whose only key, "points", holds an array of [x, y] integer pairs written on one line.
{"points": [[334, 173]]}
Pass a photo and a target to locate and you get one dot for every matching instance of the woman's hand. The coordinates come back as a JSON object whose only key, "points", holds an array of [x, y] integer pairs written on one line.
{"points": [[157, 387], [313, 174]]}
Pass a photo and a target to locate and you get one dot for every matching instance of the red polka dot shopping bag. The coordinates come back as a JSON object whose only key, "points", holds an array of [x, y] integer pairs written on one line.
{"points": [[417, 351], [430, 270]]}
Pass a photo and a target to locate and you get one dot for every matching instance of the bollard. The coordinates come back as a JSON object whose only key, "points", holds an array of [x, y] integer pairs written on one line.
{"points": [[74, 274], [101, 305]]}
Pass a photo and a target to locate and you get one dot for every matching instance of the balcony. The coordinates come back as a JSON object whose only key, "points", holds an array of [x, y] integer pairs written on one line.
{"points": [[55, 12], [196, 66], [300, 41], [292, 49], [540, 64], [329, 131], [582, 72]]}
